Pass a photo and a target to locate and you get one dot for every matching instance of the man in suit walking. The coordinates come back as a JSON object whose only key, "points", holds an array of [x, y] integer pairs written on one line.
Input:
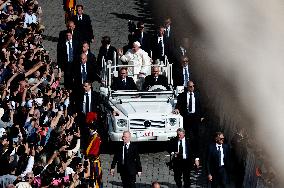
{"points": [[160, 45], [123, 82], [107, 51], [128, 162], [181, 72], [91, 58], [90, 101], [155, 79], [84, 71], [218, 161], [189, 106], [66, 55], [184, 157], [83, 24], [86, 100]]}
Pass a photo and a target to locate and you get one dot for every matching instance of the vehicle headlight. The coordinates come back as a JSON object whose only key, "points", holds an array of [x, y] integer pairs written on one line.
{"points": [[122, 123], [173, 121]]}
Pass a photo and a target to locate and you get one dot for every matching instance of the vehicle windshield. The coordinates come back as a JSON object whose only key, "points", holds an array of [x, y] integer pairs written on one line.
{"points": [[142, 94]]}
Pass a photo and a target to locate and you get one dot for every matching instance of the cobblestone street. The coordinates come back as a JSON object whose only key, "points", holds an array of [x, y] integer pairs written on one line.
{"points": [[111, 18]]}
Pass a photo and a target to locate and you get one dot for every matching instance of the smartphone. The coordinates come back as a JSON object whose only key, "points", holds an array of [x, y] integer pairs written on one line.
{"points": [[15, 141]]}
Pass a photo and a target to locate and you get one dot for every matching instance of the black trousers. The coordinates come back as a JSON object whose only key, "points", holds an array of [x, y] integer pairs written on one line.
{"points": [[68, 76], [128, 180], [191, 126], [219, 178], [182, 169]]}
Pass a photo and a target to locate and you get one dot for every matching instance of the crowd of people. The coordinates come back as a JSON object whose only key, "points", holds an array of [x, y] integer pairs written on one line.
{"points": [[42, 121]]}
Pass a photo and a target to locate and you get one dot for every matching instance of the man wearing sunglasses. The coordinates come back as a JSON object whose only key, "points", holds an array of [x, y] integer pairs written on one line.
{"points": [[189, 106], [218, 162]]}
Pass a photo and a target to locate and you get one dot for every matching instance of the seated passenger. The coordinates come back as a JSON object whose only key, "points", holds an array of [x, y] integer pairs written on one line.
{"points": [[123, 82], [155, 79], [137, 57]]}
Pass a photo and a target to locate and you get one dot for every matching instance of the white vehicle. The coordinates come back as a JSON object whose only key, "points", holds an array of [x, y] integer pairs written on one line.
{"points": [[146, 114]]}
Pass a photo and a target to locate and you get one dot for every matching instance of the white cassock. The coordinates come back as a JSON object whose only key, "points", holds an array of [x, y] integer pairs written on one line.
{"points": [[140, 60]]}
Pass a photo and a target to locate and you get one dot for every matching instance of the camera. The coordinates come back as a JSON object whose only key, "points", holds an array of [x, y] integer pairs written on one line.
{"points": [[15, 141]]}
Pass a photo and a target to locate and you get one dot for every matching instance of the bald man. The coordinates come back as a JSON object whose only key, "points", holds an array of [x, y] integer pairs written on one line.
{"points": [[155, 79], [84, 71], [128, 161]]}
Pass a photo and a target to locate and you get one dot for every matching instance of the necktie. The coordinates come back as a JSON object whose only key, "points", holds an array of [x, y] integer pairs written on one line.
{"points": [[180, 149], [219, 155], [70, 53], [87, 108], [141, 39], [168, 32], [124, 82], [190, 102], [183, 50], [84, 73], [186, 77], [156, 79], [161, 47], [125, 154]]}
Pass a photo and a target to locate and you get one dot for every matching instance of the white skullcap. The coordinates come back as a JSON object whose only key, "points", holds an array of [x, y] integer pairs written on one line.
{"points": [[137, 43]]}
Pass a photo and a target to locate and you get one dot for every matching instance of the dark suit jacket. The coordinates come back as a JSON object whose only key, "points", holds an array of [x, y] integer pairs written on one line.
{"points": [[146, 41], [62, 57], [178, 78], [96, 101], [133, 164], [84, 27], [91, 58], [91, 75], [190, 150], [213, 158], [182, 104], [150, 81], [117, 84], [157, 49], [108, 54]]}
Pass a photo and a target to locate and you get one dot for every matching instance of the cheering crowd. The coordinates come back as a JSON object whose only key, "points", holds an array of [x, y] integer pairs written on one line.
{"points": [[42, 122]]}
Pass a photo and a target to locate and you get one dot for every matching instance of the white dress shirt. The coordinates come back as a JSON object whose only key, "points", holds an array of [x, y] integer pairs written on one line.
{"points": [[161, 39], [185, 68], [168, 30], [90, 101], [67, 45], [183, 146], [82, 70], [193, 101], [222, 153], [127, 146]]}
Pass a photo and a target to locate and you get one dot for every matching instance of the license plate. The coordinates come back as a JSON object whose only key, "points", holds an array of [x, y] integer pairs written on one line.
{"points": [[145, 134]]}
